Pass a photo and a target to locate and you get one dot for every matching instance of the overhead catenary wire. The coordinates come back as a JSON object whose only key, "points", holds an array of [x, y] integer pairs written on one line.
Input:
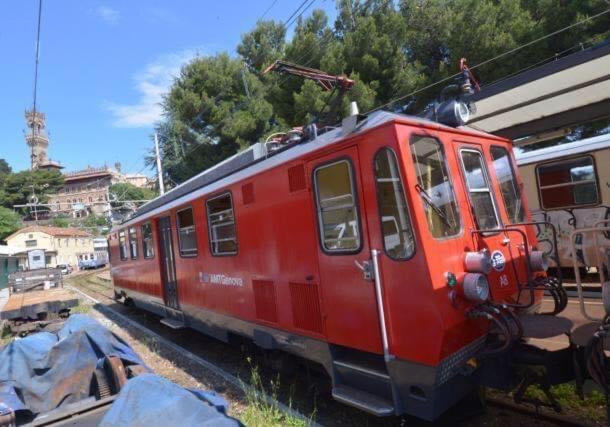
{"points": [[495, 58], [267, 10]]}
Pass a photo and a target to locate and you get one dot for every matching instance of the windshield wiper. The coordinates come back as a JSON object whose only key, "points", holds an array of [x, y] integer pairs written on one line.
{"points": [[426, 197]]}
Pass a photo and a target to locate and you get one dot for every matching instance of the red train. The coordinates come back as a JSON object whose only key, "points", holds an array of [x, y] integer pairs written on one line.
{"points": [[393, 250]]}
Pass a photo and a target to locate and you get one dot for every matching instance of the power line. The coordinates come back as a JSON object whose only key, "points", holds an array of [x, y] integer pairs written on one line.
{"points": [[286, 26], [37, 56], [295, 12], [267, 10], [487, 61]]}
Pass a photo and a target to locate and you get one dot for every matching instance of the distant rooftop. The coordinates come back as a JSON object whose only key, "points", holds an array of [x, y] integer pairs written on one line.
{"points": [[52, 231]]}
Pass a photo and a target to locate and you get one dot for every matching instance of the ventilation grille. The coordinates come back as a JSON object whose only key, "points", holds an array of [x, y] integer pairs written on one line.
{"points": [[247, 193], [306, 306], [296, 178], [264, 300]]}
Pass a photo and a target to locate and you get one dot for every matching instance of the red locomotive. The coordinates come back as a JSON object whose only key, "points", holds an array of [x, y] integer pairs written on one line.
{"points": [[392, 250]]}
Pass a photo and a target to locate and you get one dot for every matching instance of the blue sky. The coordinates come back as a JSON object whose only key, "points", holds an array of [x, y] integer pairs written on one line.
{"points": [[104, 66]]}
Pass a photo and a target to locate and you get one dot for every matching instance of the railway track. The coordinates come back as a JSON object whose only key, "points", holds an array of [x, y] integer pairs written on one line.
{"points": [[300, 386]]}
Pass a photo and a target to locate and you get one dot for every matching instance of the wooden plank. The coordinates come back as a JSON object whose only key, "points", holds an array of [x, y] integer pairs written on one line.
{"points": [[30, 304]]}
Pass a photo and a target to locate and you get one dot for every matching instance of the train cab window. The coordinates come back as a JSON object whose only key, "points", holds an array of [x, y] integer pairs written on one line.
{"points": [[396, 227], [511, 193], [479, 189], [147, 241], [568, 183], [122, 245], [187, 238], [221, 225], [133, 243], [336, 203], [435, 187]]}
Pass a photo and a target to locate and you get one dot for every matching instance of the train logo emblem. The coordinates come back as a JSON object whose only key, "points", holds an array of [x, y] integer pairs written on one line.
{"points": [[498, 261]]}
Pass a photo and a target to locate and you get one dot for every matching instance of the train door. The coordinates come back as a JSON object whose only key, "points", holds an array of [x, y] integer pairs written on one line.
{"points": [[346, 273], [168, 265], [506, 253]]}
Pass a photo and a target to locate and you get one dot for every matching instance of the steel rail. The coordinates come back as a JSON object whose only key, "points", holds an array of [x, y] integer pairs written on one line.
{"points": [[226, 376]]}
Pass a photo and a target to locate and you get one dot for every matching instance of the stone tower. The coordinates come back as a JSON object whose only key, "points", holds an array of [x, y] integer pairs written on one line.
{"points": [[37, 138]]}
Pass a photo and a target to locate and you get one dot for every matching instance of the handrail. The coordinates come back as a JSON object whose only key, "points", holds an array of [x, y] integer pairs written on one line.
{"points": [[581, 299], [530, 281], [380, 308], [555, 244]]}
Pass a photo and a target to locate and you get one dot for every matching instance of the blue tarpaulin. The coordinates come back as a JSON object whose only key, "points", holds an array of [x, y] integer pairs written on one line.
{"points": [[48, 370], [152, 401]]}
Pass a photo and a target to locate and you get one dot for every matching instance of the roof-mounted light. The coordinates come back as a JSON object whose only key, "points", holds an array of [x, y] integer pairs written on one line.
{"points": [[453, 113]]}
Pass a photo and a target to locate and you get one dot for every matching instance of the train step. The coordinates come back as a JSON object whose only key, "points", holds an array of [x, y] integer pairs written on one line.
{"points": [[173, 323], [364, 401]]}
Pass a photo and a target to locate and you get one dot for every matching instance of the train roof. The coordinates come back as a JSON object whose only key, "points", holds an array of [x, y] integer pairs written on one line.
{"points": [[563, 150], [256, 158]]}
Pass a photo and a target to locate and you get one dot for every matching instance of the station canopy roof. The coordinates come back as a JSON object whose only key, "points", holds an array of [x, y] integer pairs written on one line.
{"points": [[566, 92]]}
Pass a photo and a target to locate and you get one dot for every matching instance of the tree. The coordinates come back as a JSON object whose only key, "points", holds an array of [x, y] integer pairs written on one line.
{"points": [[4, 167], [9, 222], [125, 191], [60, 221], [19, 187]]}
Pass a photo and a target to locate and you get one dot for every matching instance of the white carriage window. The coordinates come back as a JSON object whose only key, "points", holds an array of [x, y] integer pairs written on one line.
{"points": [[511, 193], [133, 243], [568, 183], [147, 241], [337, 212], [479, 190], [435, 187], [396, 227], [122, 245], [221, 225], [187, 238]]}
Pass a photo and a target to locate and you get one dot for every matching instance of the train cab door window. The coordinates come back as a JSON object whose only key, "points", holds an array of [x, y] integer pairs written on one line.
{"points": [[221, 225], [147, 241], [511, 193], [187, 238], [133, 243], [122, 245], [479, 189], [435, 187], [396, 227], [568, 183], [337, 211]]}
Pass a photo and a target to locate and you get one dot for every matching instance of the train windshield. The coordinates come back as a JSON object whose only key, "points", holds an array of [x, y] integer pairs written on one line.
{"points": [[479, 190], [434, 186], [508, 185]]}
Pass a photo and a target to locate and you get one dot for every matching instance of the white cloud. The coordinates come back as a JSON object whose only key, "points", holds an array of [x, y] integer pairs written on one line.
{"points": [[108, 15], [151, 84]]}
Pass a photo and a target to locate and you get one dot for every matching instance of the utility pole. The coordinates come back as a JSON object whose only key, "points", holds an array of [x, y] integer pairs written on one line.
{"points": [[159, 170]]}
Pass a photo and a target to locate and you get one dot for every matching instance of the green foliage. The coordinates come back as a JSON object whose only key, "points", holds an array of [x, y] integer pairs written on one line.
{"points": [[127, 191], [221, 104], [18, 187], [60, 221], [9, 222], [96, 221], [591, 407]]}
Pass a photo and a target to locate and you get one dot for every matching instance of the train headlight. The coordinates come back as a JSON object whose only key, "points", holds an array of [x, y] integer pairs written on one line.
{"points": [[475, 287], [606, 296], [539, 261], [477, 262], [453, 113]]}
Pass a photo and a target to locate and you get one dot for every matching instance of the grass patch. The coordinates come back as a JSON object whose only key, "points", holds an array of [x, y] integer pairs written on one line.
{"points": [[81, 308], [259, 412], [6, 336], [593, 406]]}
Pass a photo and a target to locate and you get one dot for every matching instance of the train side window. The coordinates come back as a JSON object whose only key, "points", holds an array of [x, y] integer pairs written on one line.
{"points": [[221, 225], [122, 245], [434, 186], [133, 243], [568, 183], [187, 239], [511, 193], [336, 204], [396, 227], [147, 241], [481, 198]]}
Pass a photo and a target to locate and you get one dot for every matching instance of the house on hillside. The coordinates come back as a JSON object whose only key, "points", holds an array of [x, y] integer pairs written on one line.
{"points": [[61, 245]]}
